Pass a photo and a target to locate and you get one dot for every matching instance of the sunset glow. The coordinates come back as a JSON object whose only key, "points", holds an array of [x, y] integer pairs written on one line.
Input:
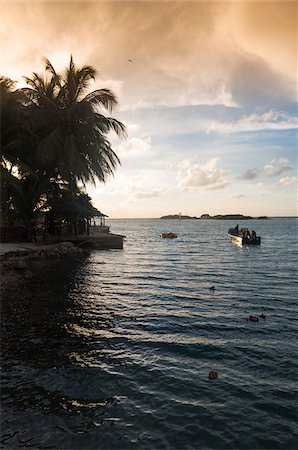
{"points": [[207, 90]]}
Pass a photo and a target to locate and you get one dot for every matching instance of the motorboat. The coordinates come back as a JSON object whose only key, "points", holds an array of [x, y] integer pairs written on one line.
{"points": [[244, 236]]}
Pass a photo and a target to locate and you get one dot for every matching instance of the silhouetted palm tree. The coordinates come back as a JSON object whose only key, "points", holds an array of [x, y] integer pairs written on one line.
{"points": [[71, 128], [53, 133], [11, 120], [15, 175]]}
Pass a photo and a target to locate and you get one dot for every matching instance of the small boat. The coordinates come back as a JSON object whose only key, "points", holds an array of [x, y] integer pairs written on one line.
{"points": [[168, 235], [244, 236]]}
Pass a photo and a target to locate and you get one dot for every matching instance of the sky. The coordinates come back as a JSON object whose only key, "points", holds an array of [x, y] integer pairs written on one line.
{"points": [[207, 91]]}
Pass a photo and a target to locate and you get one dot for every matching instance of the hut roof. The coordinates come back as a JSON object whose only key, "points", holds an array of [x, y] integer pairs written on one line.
{"points": [[79, 204]]}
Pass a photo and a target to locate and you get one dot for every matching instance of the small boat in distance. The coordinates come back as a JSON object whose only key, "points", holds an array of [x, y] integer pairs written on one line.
{"points": [[168, 235], [244, 236]]}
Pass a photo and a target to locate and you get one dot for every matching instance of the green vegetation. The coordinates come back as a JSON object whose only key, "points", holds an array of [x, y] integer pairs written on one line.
{"points": [[205, 216], [177, 216], [54, 140], [217, 217], [231, 217]]}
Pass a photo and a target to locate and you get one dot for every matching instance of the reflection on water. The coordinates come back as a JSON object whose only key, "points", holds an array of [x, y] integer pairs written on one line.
{"points": [[114, 351]]}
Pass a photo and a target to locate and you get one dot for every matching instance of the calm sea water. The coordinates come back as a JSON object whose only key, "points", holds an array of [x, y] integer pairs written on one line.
{"points": [[114, 351]]}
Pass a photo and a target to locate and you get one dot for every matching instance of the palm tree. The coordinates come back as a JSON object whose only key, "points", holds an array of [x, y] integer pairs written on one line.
{"points": [[72, 130], [17, 197], [52, 132], [11, 119], [71, 204]]}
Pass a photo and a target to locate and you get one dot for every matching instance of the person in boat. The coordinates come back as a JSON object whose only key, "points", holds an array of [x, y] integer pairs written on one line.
{"points": [[253, 234]]}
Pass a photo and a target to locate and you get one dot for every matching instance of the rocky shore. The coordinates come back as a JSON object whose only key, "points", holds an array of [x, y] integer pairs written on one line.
{"points": [[15, 260]]}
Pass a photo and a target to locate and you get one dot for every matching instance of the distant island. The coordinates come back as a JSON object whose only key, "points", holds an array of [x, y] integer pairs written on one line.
{"points": [[235, 217], [216, 217], [177, 216]]}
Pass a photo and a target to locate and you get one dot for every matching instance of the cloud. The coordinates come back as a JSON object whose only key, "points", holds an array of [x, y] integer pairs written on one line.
{"points": [[208, 175], [132, 127], [143, 187], [252, 48], [255, 83], [269, 120], [276, 167], [138, 193], [134, 145], [273, 169], [260, 185], [250, 174], [237, 196], [176, 94], [286, 181], [269, 30], [114, 85]]}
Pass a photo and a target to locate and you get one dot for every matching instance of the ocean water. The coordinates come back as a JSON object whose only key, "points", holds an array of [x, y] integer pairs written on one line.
{"points": [[113, 351]]}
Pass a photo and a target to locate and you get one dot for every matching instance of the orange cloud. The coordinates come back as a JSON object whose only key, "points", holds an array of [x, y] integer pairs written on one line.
{"points": [[181, 52]]}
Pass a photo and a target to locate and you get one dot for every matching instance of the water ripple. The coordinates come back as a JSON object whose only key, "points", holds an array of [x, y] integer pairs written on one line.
{"points": [[115, 352]]}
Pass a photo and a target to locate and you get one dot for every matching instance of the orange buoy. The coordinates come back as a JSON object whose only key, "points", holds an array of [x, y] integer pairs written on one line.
{"points": [[213, 374]]}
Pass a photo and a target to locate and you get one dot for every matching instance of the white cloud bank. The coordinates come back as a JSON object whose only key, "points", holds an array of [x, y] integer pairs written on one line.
{"points": [[144, 187], [237, 196], [273, 169], [134, 145], [276, 167], [269, 120], [138, 193], [208, 175], [286, 181]]}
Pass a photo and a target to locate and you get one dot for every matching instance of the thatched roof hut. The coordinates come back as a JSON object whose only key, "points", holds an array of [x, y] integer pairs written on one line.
{"points": [[71, 215]]}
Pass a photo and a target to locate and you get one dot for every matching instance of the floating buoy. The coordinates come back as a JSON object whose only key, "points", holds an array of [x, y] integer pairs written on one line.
{"points": [[287, 360], [168, 235], [213, 374], [253, 318]]}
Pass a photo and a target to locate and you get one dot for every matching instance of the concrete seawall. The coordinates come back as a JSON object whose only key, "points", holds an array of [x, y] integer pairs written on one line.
{"points": [[15, 256], [97, 241]]}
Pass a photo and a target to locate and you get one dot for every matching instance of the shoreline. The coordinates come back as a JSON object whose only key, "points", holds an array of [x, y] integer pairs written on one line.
{"points": [[15, 258]]}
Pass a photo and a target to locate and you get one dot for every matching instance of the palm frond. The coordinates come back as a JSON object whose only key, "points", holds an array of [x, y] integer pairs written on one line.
{"points": [[106, 124], [50, 150], [102, 97], [66, 138], [49, 67]]}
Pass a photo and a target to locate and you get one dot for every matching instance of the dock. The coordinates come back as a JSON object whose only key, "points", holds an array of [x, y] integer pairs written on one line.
{"points": [[96, 240], [99, 238]]}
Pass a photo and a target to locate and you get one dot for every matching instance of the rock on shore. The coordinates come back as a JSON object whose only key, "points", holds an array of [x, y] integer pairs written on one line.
{"points": [[18, 259]]}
